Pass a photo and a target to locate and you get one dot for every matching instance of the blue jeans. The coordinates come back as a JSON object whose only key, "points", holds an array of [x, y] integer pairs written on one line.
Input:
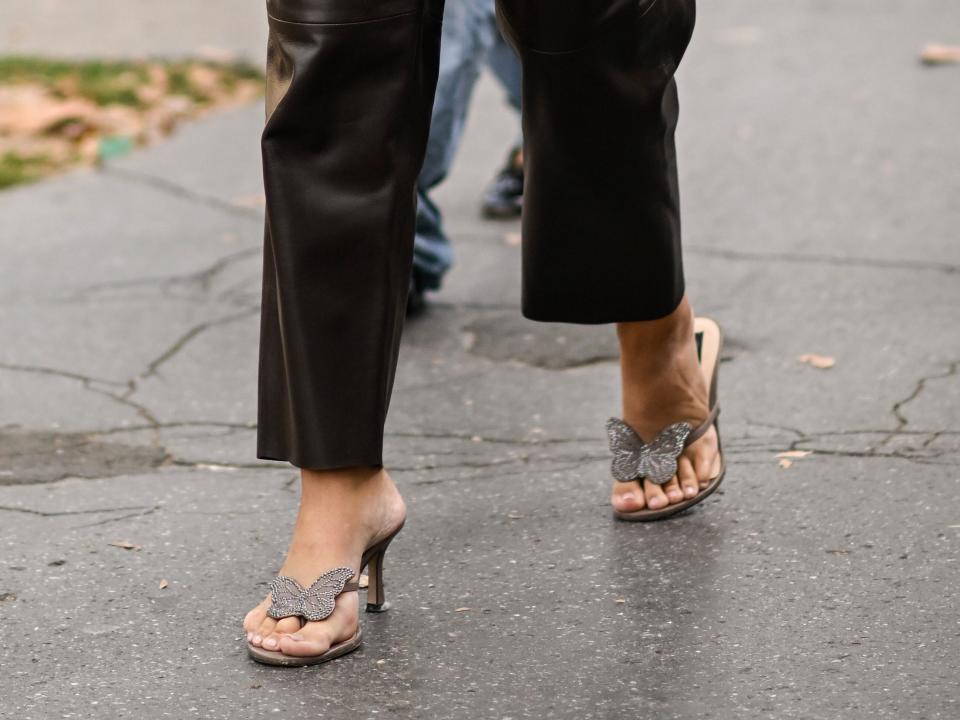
{"points": [[470, 39]]}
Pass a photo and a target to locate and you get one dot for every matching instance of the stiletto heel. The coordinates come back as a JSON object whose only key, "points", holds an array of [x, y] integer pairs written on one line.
{"points": [[376, 601], [290, 599], [373, 560]]}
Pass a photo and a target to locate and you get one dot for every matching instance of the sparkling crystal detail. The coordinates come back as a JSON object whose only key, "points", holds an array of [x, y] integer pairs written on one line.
{"points": [[634, 459], [291, 599]]}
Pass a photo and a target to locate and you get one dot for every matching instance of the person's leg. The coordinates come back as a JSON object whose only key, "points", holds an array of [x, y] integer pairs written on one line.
{"points": [[349, 91], [432, 252], [505, 66], [466, 38], [601, 222], [503, 197]]}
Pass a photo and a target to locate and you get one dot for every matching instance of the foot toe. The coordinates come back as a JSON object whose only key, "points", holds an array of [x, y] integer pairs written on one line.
{"points": [[687, 477], [627, 497], [672, 490], [705, 457], [312, 639], [265, 630], [283, 627], [654, 496], [254, 618]]}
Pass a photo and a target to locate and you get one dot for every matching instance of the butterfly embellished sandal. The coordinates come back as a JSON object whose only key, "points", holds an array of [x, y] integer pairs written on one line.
{"points": [[656, 462], [317, 602]]}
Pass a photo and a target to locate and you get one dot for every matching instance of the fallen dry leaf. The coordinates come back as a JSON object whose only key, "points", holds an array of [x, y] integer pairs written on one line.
{"points": [[795, 453], [463, 609], [126, 545], [784, 463], [620, 601], [823, 362], [940, 54], [164, 584]]}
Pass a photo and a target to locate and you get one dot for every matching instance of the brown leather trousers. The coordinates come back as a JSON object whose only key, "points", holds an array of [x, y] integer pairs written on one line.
{"points": [[350, 87]]}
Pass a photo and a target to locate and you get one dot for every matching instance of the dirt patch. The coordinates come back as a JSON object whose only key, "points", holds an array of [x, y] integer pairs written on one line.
{"points": [[511, 338], [31, 456]]}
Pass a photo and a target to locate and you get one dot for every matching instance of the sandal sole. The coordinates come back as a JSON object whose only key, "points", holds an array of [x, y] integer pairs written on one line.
{"points": [[278, 659]]}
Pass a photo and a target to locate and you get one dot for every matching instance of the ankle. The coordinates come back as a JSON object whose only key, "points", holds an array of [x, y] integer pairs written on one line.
{"points": [[654, 342], [352, 502]]}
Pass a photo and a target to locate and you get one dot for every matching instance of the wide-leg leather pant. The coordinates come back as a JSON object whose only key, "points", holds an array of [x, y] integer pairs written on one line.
{"points": [[350, 86]]}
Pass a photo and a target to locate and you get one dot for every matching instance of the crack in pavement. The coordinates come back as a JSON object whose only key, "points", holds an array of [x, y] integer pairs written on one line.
{"points": [[174, 189], [202, 278], [131, 385], [89, 383], [230, 426], [68, 374], [108, 521], [180, 343], [95, 511], [921, 385]]}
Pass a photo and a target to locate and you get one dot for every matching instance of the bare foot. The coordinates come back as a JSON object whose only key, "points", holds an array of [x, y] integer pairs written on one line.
{"points": [[663, 384], [342, 513]]}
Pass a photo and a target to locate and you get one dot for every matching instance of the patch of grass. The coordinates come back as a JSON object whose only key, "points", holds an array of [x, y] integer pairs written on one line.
{"points": [[104, 82], [116, 82], [16, 168], [126, 102]]}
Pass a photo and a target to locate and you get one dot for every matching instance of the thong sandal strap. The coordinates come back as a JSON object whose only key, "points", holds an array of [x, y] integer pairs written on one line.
{"points": [[703, 427], [317, 602], [633, 459]]}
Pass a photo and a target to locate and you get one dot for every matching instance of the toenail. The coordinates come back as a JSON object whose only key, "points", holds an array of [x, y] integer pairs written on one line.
{"points": [[689, 491], [257, 638], [656, 502], [627, 497], [249, 636], [674, 495], [270, 643]]}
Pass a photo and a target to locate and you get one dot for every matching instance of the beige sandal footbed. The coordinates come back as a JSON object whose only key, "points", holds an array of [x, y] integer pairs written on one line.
{"points": [[275, 657]]}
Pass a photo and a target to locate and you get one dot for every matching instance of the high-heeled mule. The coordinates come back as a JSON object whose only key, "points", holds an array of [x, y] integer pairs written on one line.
{"points": [[656, 462], [317, 602]]}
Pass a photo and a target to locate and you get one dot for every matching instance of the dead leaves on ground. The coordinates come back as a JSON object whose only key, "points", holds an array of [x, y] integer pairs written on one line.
{"points": [[78, 113], [940, 54], [125, 545], [786, 458], [821, 362]]}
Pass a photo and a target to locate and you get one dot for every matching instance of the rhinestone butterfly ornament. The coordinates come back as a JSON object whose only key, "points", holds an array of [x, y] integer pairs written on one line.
{"points": [[317, 602], [634, 459]]}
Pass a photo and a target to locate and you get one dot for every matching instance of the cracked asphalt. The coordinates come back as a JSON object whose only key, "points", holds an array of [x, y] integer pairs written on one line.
{"points": [[819, 167]]}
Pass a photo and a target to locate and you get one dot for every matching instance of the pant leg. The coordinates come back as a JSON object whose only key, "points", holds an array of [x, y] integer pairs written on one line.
{"points": [[350, 85], [432, 251], [505, 65], [467, 36], [601, 215]]}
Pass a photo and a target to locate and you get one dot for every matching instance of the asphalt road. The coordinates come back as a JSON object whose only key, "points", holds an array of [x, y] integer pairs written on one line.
{"points": [[820, 176]]}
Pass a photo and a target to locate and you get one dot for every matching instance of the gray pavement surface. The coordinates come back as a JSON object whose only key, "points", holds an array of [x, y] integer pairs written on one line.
{"points": [[820, 176]]}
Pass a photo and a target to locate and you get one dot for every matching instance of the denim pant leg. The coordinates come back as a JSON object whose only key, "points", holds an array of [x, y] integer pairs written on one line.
{"points": [[469, 33]]}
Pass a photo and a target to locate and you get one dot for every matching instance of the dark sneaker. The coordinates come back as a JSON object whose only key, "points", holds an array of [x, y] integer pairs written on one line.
{"points": [[504, 197]]}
